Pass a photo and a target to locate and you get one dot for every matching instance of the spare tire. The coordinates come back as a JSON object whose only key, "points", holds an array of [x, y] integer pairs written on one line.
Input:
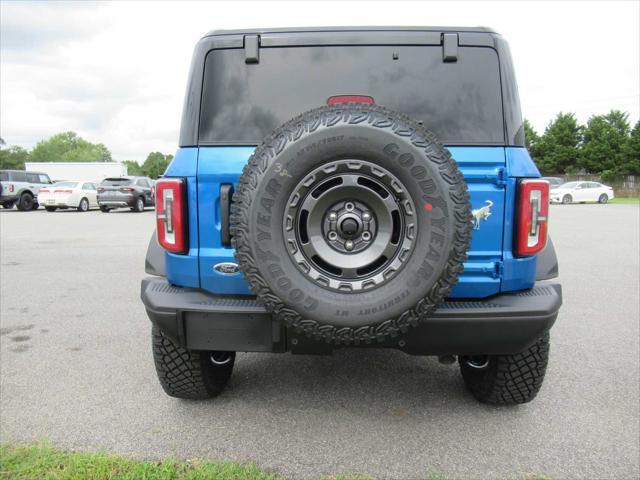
{"points": [[351, 223]]}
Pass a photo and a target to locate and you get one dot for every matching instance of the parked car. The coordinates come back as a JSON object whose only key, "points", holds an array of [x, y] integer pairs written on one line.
{"points": [[119, 192], [297, 218], [554, 182], [21, 188], [581, 192], [80, 195]]}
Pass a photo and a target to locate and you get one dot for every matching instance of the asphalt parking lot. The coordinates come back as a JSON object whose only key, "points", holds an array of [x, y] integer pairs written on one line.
{"points": [[76, 369]]}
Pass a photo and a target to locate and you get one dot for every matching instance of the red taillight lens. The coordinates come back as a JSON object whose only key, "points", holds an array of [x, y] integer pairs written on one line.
{"points": [[44, 190], [63, 191], [126, 189], [100, 189], [171, 214], [335, 100], [533, 217]]}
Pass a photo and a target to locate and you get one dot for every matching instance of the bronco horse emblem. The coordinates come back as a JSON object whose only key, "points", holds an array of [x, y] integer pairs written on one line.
{"points": [[481, 214]]}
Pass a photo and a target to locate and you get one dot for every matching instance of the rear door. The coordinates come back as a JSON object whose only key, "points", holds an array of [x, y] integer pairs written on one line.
{"points": [[461, 102]]}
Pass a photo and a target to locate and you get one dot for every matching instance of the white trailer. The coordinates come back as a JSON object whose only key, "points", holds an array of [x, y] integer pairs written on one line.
{"points": [[89, 171]]}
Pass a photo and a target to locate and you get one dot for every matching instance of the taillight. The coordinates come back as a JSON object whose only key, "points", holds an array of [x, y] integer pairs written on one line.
{"points": [[171, 220], [43, 190], [335, 100], [126, 189], [100, 189], [63, 191], [532, 217]]}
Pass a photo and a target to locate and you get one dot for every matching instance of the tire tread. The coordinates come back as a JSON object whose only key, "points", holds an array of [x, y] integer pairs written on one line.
{"points": [[186, 373], [378, 117], [509, 379]]}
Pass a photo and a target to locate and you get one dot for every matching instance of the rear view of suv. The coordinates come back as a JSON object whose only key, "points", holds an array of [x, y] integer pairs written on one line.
{"points": [[122, 192], [20, 188], [367, 188]]}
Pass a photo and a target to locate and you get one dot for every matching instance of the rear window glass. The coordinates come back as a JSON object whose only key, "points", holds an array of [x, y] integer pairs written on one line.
{"points": [[460, 102], [116, 182], [18, 176]]}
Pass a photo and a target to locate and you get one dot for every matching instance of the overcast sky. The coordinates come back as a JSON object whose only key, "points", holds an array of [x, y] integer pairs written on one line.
{"points": [[116, 72]]}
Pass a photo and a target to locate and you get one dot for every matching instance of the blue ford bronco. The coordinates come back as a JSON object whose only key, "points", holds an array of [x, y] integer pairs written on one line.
{"points": [[352, 187]]}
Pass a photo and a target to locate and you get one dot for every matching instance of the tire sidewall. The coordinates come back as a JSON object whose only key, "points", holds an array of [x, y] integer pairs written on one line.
{"points": [[407, 161], [84, 205], [27, 202]]}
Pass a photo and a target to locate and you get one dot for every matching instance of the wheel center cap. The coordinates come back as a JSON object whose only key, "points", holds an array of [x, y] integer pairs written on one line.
{"points": [[349, 227]]}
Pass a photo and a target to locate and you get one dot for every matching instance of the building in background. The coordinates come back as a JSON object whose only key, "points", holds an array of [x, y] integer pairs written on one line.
{"points": [[90, 171]]}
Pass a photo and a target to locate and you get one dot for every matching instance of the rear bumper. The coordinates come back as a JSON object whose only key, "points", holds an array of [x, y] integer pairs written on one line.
{"points": [[502, 324], [115, 202]]}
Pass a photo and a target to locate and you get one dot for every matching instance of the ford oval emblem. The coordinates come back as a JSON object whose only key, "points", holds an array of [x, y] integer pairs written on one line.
{"points": [[227, 268]]}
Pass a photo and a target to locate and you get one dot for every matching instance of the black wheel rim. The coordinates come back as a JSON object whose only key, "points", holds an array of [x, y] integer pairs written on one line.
{"points": [[27, 202], [350, 225]]}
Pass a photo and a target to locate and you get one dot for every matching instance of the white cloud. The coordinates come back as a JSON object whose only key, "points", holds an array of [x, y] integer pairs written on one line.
{"points": [[116, 72]]}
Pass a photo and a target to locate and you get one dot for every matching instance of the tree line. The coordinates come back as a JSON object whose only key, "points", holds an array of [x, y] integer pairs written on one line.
{"points": [[606, 145], [70, 147]]}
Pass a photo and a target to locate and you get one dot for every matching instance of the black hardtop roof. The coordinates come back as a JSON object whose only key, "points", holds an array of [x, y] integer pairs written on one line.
{"points": [[364, 30], [467, 37]]}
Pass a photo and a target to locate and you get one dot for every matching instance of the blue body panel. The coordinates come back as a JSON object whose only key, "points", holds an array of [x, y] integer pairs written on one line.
{"points": [[183, 269], [217, 165], [483, 170], [490, 173]]}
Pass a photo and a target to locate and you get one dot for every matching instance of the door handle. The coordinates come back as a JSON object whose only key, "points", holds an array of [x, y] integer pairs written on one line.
{"points": [[226, 191]]}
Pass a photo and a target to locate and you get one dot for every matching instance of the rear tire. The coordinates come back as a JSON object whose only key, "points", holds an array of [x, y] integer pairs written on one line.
{"points": [[190, 374], [50, 209], [83, 206], [507, 379], [104, 209], [603, 198], [567, 199], [139, 206], [26, 202]]}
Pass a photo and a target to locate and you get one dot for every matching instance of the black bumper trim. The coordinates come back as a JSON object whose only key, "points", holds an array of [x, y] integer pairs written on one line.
{"points": [[502, 324]]}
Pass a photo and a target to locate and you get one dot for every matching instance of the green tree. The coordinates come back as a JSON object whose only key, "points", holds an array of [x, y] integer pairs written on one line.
{"points": [[13, 157], [630, 163], [605, 142], [155, 164], [558, 149], [69, 147], [133, 167], [531, 139]]}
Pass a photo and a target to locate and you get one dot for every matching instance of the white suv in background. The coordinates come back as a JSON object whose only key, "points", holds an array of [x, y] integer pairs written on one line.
{"points": [[21, 188]]}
